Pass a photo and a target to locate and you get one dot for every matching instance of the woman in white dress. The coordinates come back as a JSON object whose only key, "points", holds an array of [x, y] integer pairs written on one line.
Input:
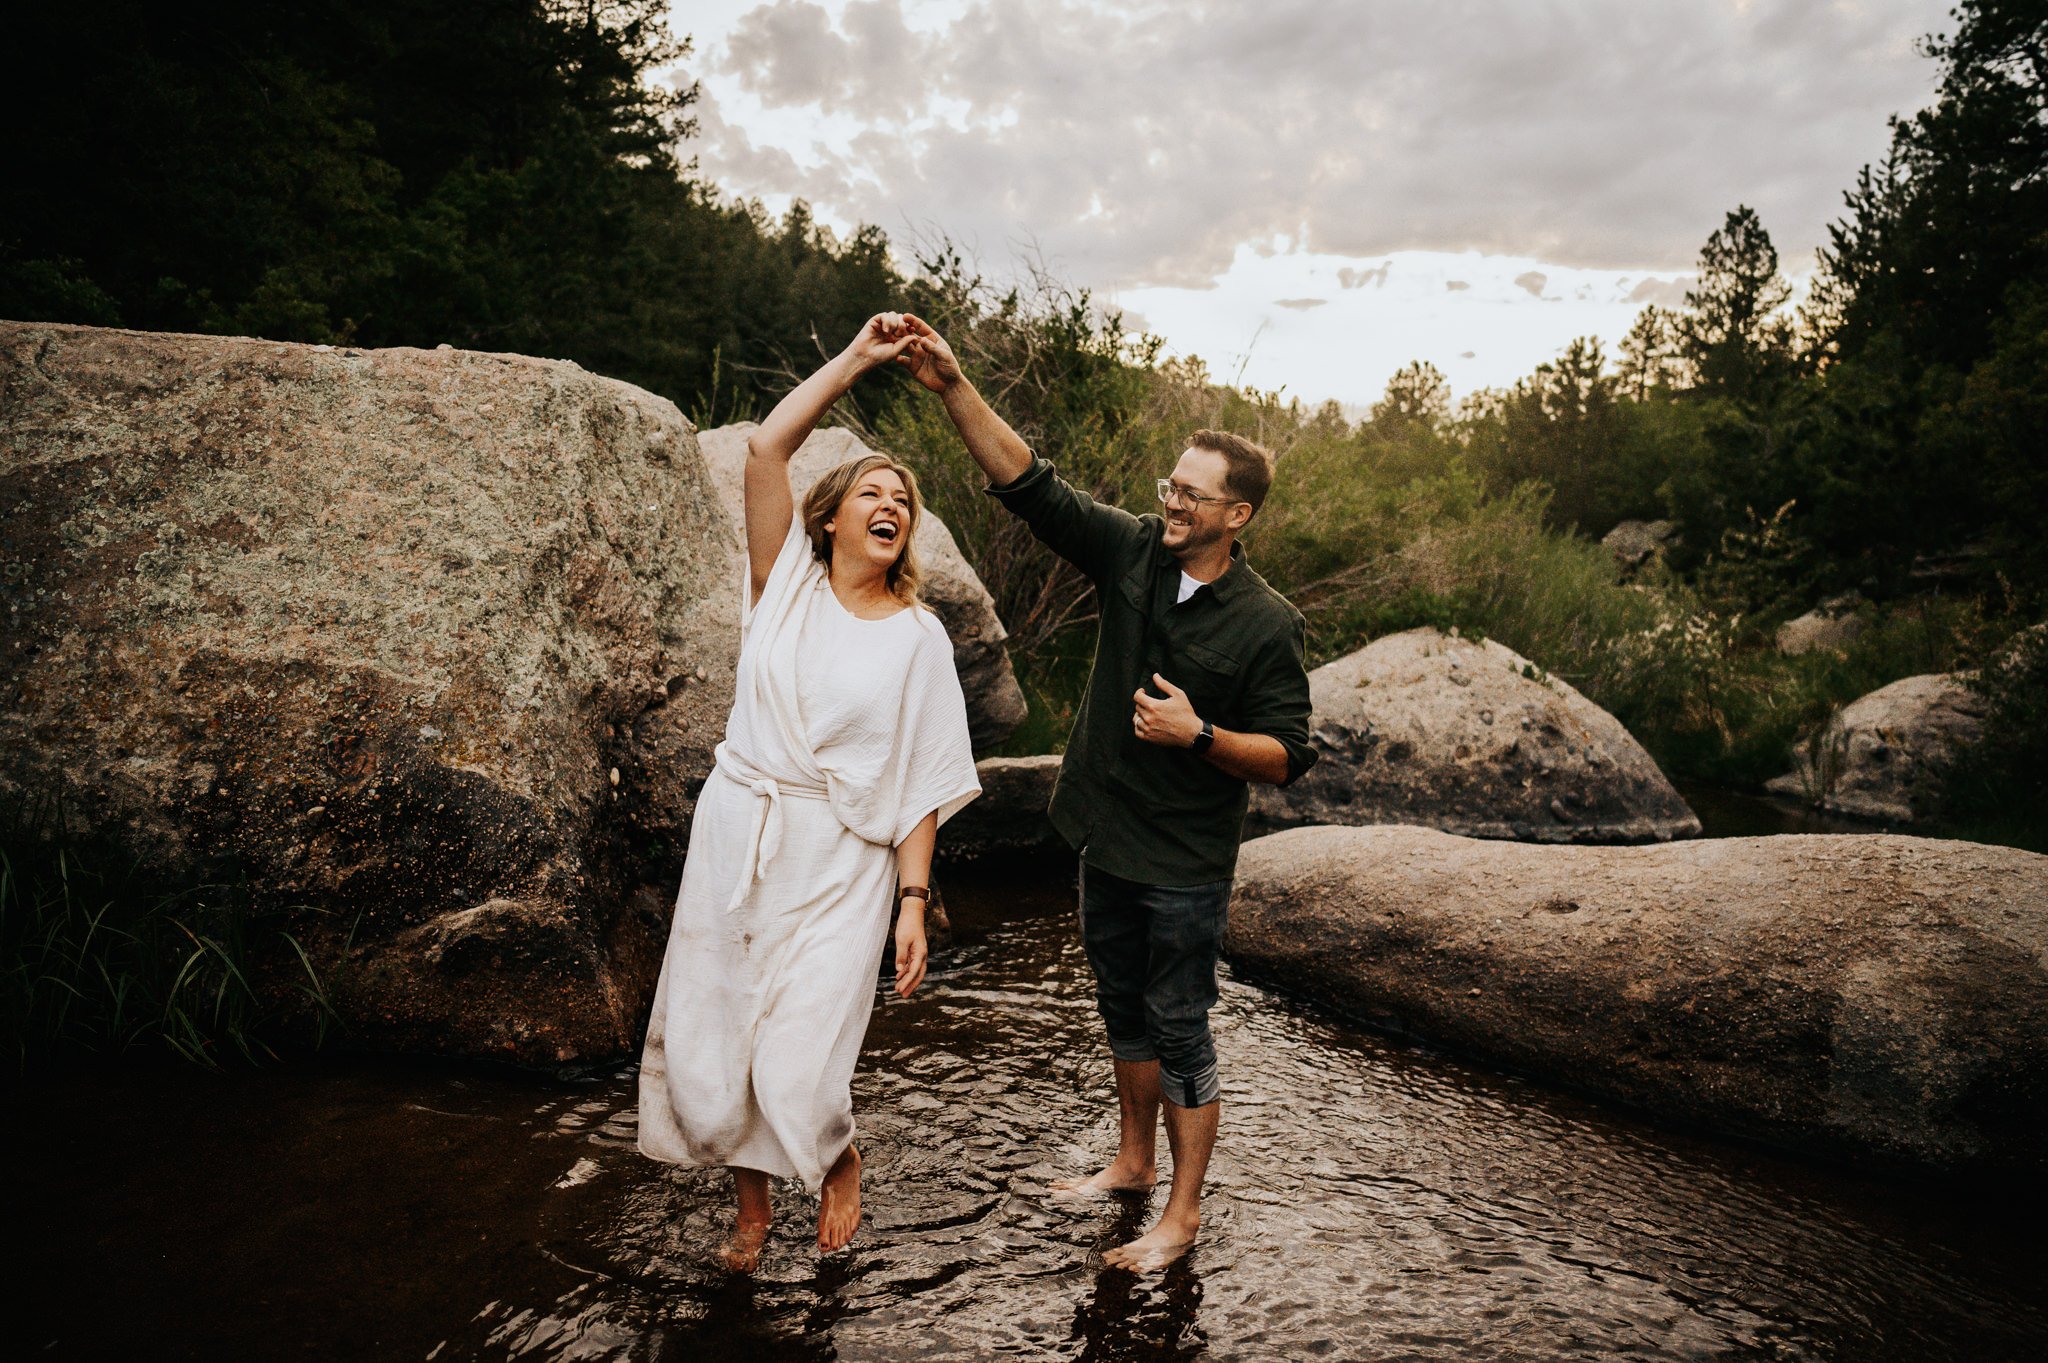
{"points": [[846, 749]]}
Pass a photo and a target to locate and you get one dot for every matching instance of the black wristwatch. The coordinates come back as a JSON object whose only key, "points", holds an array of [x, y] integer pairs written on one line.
{"points": [[1203, 739]]}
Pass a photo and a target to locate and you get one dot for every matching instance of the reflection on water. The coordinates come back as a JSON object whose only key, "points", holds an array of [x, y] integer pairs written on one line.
{"points": [[1727, 813], [1369, 1200]]}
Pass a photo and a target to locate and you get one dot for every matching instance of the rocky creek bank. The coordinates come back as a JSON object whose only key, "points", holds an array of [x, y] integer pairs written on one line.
{"points": [[431, 648]]}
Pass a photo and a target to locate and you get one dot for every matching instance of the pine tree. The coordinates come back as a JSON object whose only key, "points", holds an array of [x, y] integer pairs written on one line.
{"points": [[1951, 219], [1417, 395], [1733, 333], [1650, 359]]}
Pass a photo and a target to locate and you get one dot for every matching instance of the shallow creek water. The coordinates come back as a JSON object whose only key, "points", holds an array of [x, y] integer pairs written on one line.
{"points": [[1369, 1200]]}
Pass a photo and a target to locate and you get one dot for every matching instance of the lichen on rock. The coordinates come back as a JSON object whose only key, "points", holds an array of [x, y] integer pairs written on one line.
{"points": [[372, 628]]}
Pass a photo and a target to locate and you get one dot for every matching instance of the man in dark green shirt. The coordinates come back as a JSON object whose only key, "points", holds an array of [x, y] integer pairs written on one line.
{"points": [[1198, 687]]}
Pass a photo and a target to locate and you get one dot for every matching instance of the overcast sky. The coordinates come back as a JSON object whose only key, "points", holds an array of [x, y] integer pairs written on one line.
{"points": [[1310, 193]]}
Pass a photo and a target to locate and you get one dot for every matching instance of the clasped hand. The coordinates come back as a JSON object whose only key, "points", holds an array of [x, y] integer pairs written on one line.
{"points": [[1171, 723], [909, 341]]}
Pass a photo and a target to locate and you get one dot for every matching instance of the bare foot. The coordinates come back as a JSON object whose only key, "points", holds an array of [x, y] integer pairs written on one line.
{"points": [[1117, 1178], [742, 1250], [1153, 1250], [839, 1202]]}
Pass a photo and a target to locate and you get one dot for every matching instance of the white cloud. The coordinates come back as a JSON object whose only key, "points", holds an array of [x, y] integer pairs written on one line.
{"points": [[1142, 148], [1667, 293], [1605, 133], [1347, 348]]}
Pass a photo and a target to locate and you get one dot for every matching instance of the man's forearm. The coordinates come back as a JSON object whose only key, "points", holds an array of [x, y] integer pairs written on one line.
{"points": [[1249, 757], [1000, 451]]}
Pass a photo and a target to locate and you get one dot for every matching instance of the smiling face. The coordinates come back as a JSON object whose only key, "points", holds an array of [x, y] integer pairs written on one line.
{"points": [[1192, 526], [874, 520]]}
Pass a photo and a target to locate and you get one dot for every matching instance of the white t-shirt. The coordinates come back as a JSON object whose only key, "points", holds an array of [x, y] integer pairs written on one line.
{"points": [[1187, 588]]}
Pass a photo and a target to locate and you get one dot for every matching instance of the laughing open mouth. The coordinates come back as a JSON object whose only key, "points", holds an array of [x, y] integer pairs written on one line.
{"points": [[885, 531]]}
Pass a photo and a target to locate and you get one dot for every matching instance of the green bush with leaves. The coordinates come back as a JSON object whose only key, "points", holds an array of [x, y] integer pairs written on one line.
{"points": [[2000, 785]]}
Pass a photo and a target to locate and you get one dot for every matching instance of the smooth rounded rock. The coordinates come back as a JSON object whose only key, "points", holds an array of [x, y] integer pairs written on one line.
{"points": [[1427, 728], [1879, 996], [1884, 755], [1829, 627], [950, 586], [1635, 543]]}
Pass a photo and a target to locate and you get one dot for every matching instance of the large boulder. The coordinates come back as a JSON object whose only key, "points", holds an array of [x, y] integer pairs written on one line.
{"points": [[1431, 729], [1874, 995], [950, 586], [1884, 755], [432, 646], [1635, 543]]}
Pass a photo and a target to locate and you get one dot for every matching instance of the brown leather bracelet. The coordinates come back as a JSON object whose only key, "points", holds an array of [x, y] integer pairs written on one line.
{"points": [[915, 892]]}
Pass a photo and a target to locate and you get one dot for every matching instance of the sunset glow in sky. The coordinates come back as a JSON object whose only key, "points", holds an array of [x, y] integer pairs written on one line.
{"points": [[1310, 194]]}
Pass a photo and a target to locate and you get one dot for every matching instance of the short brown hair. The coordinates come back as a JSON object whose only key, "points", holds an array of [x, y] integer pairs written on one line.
{"points": [[821, 503], [1248, 468]]}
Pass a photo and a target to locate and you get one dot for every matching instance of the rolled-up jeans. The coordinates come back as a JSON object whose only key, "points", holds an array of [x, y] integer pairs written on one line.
{"points": [[1154, 949]]}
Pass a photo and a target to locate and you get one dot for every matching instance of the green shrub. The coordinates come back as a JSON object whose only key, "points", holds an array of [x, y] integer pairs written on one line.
{"points": [[1404, 520], [97, 956], [1998, 789]]}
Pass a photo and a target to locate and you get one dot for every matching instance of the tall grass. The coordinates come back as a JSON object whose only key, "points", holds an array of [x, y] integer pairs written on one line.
{"points": [[2000, 785], [1384, 525], [98, 957]]}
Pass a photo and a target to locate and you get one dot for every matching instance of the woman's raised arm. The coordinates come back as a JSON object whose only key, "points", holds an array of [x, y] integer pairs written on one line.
{"points": [[768, 500]]}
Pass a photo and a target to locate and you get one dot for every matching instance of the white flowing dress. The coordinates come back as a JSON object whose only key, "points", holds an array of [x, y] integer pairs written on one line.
{"points": [[844, 734]]}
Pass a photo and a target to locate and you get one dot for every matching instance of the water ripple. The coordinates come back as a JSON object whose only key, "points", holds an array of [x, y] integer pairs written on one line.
{"points": [[1367, 1200]]}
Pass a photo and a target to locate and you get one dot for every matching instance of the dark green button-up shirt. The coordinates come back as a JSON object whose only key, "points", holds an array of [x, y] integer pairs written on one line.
{"points": [[1157, 815]]}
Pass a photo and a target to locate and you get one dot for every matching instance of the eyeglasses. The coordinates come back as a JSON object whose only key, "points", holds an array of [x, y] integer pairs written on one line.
{"points": [[1170, 492]]}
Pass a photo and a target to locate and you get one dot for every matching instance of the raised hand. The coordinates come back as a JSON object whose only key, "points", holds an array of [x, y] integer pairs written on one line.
{"points": [[882, 339], [929, 359], [1000, 451], [1170, 723]]}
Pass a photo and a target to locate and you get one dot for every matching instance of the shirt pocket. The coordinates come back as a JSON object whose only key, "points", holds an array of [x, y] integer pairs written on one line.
{"points": [[1211, 678], [1136, 587]]}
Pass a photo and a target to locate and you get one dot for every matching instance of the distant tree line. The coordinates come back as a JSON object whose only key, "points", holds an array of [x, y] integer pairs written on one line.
{"points": [[1900, 416], [494, 174], [506, 174]]}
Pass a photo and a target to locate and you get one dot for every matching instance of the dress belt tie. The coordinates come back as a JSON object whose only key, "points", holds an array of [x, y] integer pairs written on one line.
{"points": [[766, 838]]}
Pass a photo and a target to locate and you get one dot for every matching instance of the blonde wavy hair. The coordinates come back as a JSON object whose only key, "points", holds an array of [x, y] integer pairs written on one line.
{"points": [[822, 502]]}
